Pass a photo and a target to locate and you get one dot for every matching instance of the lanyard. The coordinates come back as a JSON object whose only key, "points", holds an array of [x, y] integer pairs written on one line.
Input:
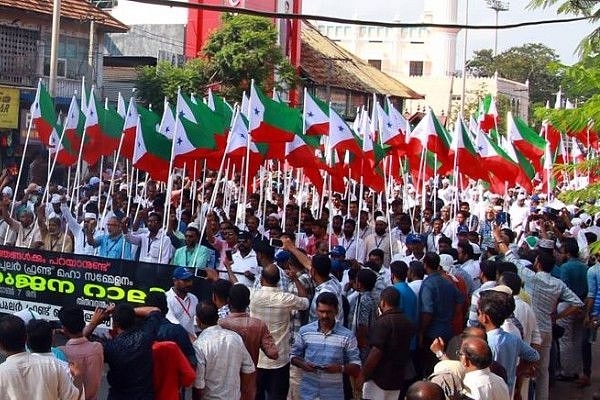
{"points": [[377, 244], [183, 307]]}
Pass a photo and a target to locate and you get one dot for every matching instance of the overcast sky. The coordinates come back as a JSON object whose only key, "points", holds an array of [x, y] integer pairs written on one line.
{"points": [[562, 37]]}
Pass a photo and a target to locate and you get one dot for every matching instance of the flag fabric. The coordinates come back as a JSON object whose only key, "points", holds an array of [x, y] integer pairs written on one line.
{"points": [[43, 114], [429, 135], [129, 129], [548, 179], [495, 159], [103, 130], [270, 121], [394, 128], [577, 155], [341, 137], [220, 106], [526, 172], [241, 146], [121, 107], [167, 122], [195, 128], [529, 143], [463, 151], [316, 115], [588, 135], [487, 117], [67, 145], [152, 151]]}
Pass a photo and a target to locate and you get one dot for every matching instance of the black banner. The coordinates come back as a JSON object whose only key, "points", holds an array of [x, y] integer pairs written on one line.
{"points": [[44, 281]]}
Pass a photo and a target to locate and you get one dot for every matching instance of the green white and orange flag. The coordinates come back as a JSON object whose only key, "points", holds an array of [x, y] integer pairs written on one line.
{"points": [[527, 141], [316, 115], [152, 151], [43, 114]]}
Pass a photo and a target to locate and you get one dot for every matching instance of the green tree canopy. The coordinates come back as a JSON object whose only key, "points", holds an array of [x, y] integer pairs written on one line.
{"points": [[532, 62], [243, 48]]}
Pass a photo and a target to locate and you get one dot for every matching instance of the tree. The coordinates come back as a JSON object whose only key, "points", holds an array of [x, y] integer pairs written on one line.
{"points": [[533, 62], [587, 8], [243, 48]]}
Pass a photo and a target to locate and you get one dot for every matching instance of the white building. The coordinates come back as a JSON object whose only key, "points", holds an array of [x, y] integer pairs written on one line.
{"points": [[425, 60]]}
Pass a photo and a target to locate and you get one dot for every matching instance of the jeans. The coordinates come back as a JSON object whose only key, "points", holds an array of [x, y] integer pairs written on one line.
{"points": [[273, 384]]}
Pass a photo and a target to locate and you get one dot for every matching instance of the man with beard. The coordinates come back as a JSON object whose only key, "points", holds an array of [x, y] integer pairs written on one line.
{"points": [[379, 240], [182, 304], [348, 240], [245, 263], [193, 254], [111, 244], [53, 238], [402, 229], [28, 233], [155, 246]]}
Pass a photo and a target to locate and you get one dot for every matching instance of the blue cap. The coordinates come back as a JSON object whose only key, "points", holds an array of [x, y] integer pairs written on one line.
{"points": [[338, 251], [414, 238], [535, 197], [282, 256], [182, 273], [462, 229]]}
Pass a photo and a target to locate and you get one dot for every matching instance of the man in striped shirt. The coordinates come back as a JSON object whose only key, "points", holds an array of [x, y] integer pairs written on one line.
{"points": [[325, 351]]}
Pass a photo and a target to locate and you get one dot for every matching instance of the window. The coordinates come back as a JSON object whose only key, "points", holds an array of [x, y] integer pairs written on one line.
{"points": [[375, 63], [61, 69], [415, 68]]}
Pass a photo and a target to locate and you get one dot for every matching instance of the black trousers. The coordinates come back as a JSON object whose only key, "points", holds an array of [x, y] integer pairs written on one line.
{"points": [[273, 384]]}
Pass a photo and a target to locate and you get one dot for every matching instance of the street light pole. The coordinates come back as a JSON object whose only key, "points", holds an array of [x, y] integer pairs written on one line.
{"points": [[497, 5], [54, 47]]}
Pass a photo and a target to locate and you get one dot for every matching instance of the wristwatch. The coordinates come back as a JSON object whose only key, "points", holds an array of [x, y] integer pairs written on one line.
{"points": [[439, 354]]}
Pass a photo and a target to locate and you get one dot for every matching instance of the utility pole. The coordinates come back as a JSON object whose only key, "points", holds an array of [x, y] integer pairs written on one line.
{"points": [[497, 5], [55, 34]]}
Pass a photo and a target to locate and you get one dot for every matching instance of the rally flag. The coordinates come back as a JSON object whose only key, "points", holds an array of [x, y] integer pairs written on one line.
{"points": [[394, 128], [316, 115], [195, 129], [220, 106], [341, 138], [371, 177], [121, 107], [240, 146], [529, 143], [103, 130], [152, 151], [43, 114], [548, 178], [129, 129], [68, 144], [270, 121], [429, 135], [588, 135], [495, 159], [526, 172], [487, 116], [463, 151], [577, 155], [167, 122], [301, 154]]}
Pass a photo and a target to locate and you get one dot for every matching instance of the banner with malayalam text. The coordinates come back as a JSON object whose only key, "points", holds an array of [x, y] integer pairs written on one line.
{"points": [[44, 281]]}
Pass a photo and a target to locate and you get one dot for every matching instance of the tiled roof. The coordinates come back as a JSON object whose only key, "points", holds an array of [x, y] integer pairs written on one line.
{"points": [[327, 63], [70, 9]]}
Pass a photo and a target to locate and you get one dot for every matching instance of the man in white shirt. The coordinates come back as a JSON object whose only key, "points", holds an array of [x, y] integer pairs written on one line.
{"points": [[245, 264], [480, 383], [155, 245], [30, 376], [182, 304], [225, 368]]}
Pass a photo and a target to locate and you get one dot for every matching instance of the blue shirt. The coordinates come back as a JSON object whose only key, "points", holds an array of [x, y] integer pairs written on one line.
{"points": [[506, 349], [338, 346], [116, 248], [593, 281], [439, 297], [574, 273], [409, 306]]}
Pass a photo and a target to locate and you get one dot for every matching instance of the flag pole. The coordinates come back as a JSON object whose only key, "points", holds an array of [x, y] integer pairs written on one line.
{"points": [[112, 177]]}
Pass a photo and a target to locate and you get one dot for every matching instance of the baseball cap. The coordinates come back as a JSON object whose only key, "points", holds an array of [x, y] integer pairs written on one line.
{"points": [[413, 238], [94, 180], [535, 197], [182, 273], [462, 229], [282, 256], [338, 251]]}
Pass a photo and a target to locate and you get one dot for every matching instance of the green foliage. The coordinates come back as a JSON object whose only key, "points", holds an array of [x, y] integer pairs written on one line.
{"points": [[533, 62], [587, 8], [244, 48]]}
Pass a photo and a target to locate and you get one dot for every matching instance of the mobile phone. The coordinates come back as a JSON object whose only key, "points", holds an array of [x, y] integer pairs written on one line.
{"points": [[501, 218], [201, 273], [276, 242], [229, 255]]}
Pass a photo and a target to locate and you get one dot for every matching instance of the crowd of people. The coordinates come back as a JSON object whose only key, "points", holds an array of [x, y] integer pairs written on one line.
{"points": [[461, 295]]}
